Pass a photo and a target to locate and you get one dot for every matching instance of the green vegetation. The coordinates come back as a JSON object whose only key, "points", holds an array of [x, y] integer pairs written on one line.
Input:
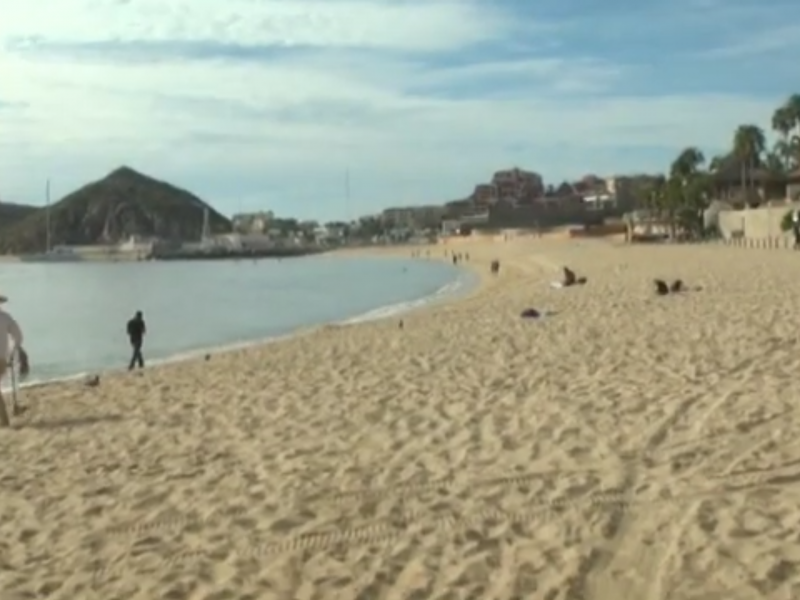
{"points": [[680, 198]]}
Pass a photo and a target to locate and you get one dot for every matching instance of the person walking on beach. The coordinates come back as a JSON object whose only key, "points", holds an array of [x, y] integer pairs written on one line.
{"points": [[10, 330], [796, 228], [136, 331]]}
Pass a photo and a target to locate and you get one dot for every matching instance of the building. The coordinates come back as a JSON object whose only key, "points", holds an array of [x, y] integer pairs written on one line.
{"points": [[238, 242], [484, 194], [590, 185], [518, 184], [616, 182], [600, 201], [625, 188], [414, 217], [257, 222], [138, 245], [330, 234], [455, 226]]}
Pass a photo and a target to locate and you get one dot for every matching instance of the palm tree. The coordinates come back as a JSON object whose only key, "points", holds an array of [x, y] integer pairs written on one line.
{"points": [[687, 163], [687, 191], [788, 151], [783, 122], [718, 162], [776, 161], [792, 106], [793, 151], [749, 143], [788, 118]]}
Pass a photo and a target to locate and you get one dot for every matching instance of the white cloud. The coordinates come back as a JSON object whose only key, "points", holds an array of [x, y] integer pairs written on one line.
{"points": [[292, 123], [331, 23]]}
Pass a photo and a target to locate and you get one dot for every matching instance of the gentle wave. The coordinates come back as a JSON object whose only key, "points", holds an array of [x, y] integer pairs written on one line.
{"points": [[461, 285], [454, 288]]}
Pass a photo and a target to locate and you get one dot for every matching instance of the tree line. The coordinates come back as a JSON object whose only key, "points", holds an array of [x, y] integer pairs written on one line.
{"points": [[681, 196]]}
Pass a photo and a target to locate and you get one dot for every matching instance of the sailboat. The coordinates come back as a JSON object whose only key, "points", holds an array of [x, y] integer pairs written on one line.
{"points": [[52, 254]]}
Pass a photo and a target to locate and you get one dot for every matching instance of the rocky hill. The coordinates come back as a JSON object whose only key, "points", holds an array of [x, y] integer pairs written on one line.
{"points": [[11, 214], [122, 204]]}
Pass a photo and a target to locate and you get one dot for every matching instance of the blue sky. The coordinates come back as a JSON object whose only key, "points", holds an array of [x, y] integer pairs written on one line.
{"points": [[267, 104]]}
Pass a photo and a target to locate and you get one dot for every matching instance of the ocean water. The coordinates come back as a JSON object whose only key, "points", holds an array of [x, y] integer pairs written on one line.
{"points": [[74, 314]]}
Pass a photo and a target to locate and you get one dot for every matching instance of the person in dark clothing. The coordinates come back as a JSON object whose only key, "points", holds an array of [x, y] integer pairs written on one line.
{"points": [[136, 331]]}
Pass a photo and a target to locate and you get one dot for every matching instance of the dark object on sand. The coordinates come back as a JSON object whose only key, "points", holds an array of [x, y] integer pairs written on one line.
{"points": [[92, 381], [208, 357], [495, 267], [662, 289], [530, 313], [677, 286], [401, 325], [571, 279]]}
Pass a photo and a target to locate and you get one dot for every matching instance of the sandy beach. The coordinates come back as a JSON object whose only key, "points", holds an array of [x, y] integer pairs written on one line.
{"points": [[626, 447]]}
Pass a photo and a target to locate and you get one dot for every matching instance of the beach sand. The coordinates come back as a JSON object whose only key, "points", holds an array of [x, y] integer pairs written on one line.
{"points": [[627, 447]]}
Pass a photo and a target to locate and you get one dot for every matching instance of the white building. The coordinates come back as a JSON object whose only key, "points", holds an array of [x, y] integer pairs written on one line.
{"points": [[244, 241]]}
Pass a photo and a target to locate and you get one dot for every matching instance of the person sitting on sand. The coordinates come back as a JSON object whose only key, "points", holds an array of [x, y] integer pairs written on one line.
{"points": [[662, 289], [10, 330], [569, 279]]}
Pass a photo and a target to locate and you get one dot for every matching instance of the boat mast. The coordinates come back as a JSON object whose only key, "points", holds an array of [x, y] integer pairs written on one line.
{"points": [[348, 213], [205, 233], [48, 241]]}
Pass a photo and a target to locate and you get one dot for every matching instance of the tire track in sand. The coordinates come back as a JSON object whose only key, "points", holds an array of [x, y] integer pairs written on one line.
{"points": [[657, 587], [333, 497], [620, 525], [387, 531]]}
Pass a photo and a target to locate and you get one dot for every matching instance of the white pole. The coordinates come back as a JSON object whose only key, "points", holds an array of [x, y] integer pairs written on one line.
{"points": [[347, 193], [47, 216]]}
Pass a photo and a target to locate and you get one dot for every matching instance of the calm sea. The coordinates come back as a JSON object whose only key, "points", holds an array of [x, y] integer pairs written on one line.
{"points": [[74, 314]]}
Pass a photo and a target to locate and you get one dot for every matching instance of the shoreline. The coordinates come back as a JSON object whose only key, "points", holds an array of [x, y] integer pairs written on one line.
{"points": [[398, 309], [473, 452]]}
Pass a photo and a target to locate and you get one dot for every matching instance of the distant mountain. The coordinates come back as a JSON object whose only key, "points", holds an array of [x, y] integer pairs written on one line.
{"points": [[11, 214], [122, 204]]}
